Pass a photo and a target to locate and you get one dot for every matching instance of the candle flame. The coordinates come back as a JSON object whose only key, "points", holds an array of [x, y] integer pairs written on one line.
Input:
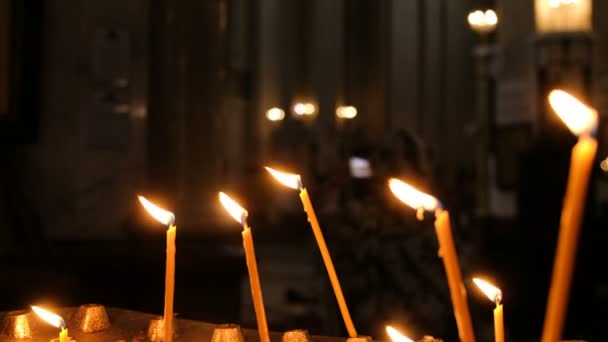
{"points": [[579, 118], [49, 317], [396, 336], [493, 292], [411, 196], [163, 216], [233, 208], [291, 180]]}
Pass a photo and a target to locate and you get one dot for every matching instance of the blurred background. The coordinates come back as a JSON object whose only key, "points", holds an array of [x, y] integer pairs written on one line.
{"points": [[177, 100]]}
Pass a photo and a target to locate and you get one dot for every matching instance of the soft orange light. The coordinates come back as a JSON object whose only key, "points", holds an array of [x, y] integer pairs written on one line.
{"points": [[163, 216], [411, 196], [291, 180], [489, 290], [233, 208], [49, 317], [275, 114], [579, 118], [396, 336], [302, 109], [346, 112]]}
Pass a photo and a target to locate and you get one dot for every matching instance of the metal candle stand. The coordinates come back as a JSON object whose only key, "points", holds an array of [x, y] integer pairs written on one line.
{"points": [[91, 323]]}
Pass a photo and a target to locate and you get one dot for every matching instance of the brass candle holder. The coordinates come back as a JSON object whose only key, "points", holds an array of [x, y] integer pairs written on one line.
{"points": [[295, 336], [227, 333], [359, 339], [92, 318], [156, 329], [17, 324]]}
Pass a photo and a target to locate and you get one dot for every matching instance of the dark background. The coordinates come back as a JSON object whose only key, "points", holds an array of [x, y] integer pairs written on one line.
{"points": [[103, 100]]}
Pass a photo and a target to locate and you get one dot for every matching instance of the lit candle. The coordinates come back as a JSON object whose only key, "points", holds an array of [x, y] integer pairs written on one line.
{"points": [[54, 320], [495, 295], [421, 201], [294, 181], [582, 121], [240, 215], [396, 336], [167, 218]]}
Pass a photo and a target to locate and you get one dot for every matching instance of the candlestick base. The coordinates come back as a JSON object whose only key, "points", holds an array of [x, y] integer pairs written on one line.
{"points": [[359, 339], [295, 336], [156, 329], [227, 333], [17, 324], [91, 318]]}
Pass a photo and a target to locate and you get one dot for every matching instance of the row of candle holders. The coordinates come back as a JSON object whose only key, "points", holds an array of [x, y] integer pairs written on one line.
{"points": [[91, 318]]}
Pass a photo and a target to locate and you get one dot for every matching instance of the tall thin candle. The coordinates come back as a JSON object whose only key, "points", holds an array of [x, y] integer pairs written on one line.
{"points": [[447, 251], [240, 215], [167, 218], [495, 295], [294, 181], [582, 121]]}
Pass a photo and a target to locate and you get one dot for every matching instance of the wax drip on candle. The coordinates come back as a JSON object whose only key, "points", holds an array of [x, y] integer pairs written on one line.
{"points": [[420, 214]]}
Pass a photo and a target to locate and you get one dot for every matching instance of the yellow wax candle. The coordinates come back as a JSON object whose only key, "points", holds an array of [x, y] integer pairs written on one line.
{"points": [[63, 335], [294, 181], [421, 201], [167, 218], [582, 158], [458, 293], [329, 265], [495, 295], [169, 283], [240, 215], [581, 120], [499, 327], [256, 289]]}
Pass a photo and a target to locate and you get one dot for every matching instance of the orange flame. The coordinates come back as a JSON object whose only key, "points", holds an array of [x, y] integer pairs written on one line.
{"points": [[233, 208], [291, 180], [49, 317], [411, 196], [491, 291], [579, 118], [163, 216], [396, 336]]}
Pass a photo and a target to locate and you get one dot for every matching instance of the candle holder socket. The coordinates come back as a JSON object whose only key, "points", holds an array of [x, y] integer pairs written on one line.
{"points": [[156, 329], [17, 324], [227, 333], [91, 318], [359, 339], [295, 336]]}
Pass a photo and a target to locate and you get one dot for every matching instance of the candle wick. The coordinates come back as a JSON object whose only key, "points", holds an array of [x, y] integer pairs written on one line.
{"points": [[300, 183], [498, 298], [172, 220]]}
